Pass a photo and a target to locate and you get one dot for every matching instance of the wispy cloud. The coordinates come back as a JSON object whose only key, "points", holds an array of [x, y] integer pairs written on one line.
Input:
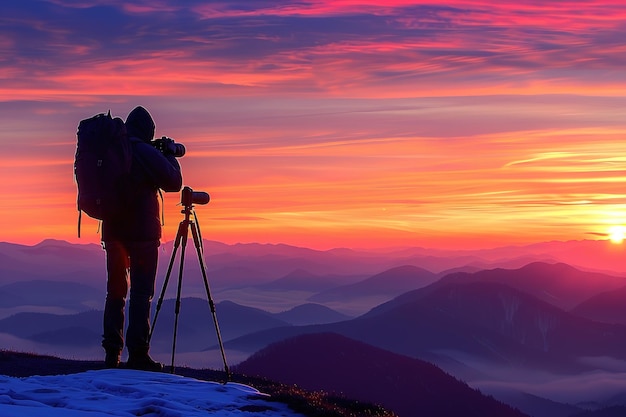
{"points": [[407, 119]]}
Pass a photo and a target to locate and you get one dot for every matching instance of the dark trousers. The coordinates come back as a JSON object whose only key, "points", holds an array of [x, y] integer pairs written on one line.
{"points": [[137, 261]]}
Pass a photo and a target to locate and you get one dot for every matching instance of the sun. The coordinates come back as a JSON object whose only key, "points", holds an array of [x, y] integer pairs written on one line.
{"points": [[617, 234]]}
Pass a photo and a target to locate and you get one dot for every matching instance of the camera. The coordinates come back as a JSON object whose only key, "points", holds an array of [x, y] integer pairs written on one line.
{"points": [[189, 197], [167, 146]]}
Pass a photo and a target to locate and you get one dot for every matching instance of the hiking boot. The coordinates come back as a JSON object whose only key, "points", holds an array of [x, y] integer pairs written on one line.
{"points": [[143, 362], [112, 359]]}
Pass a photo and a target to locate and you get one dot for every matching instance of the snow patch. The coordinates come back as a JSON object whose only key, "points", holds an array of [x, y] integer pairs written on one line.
{"points": [[123, 392]]}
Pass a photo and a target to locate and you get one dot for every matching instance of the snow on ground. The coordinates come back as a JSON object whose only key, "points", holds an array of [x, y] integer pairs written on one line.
{"points": [[124, 392]]}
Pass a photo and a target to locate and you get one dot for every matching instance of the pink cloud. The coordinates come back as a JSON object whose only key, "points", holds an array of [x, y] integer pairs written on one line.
{"points": [[327, 122]]}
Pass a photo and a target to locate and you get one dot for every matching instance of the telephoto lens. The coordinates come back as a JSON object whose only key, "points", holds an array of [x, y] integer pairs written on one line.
{"points": [[189, 197]]}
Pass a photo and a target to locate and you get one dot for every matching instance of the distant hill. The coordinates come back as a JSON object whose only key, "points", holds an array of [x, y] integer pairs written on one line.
{"points": [[532, 405], [196, 329], [408, 386], [497, 323], [614, 411], [607, 307], [559, 284], [311, 313], [82, 329], [230, 276], [52, 260], [301, 280], [386, 284], [70, 337], [70, 295]]}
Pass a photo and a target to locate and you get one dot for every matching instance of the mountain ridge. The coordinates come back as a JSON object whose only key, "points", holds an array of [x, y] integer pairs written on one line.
{"points": [[337, 364]]}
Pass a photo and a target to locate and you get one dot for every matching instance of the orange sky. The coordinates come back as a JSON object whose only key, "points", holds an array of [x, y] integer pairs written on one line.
{"points": [[329, 124]]}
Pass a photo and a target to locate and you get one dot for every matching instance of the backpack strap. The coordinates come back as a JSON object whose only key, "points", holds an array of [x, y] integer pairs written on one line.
{"points": [[80, 216], [162, 208]]}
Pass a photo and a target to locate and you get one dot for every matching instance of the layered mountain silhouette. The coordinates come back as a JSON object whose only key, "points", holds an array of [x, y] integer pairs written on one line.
{"points": [[336, 364], [51, 260], [69, 295], [195, 326], [228, 265], [196, 330], [387, 284], [502, 317], [495, 323], [82, 329], [608, 307], [559, 284], [469, 320], [301, 280], [311, 313]]}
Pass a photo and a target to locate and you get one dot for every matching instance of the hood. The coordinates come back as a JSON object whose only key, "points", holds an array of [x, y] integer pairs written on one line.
{"points": [[139, 124]]}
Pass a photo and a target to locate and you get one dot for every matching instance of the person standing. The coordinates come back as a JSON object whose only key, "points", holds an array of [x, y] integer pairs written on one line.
{"points": [[131, 240]]}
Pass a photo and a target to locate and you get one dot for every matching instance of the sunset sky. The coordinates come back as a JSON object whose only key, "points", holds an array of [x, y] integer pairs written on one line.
{"points": [[458, 124]]}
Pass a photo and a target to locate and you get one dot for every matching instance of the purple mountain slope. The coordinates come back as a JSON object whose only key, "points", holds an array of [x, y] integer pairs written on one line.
{"points": [[301, 280], [51, 260], [497, 323], [196, 329], [311, 313], [558, 284], [607, 307], [73, 296], [230, 276], [389, 283], [82, 329], [69, 337], [337, 364]]}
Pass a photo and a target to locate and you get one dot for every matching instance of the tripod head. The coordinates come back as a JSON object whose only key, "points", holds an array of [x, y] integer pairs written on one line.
{"points": [[189, 197]]}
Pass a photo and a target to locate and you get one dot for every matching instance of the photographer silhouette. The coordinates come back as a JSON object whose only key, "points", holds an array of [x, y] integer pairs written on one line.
{"points": [[131, 239]]}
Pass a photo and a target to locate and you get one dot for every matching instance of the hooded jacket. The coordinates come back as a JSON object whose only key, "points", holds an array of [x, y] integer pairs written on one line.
{"points": [[151, 170]]}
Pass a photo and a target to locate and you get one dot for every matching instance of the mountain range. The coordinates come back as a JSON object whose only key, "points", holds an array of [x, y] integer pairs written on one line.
{"points": [[496, 319], [255, 264], [484, 323], [196, 330]]}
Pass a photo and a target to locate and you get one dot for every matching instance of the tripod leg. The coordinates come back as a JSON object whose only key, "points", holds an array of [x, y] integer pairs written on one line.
{"points": [[198, 244], [166, 281], [185, 232]]}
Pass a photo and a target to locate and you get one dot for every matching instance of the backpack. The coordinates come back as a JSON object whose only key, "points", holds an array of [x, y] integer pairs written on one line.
{"points": [[101, 165]]}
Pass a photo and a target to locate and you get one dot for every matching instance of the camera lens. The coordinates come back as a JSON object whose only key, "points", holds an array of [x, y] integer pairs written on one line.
{"points": [[200, 197], [188, 197], [178, 149]]}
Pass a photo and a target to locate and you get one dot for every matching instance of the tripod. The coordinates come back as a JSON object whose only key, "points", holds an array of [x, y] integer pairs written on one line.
{"points": [[181, 236]]}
